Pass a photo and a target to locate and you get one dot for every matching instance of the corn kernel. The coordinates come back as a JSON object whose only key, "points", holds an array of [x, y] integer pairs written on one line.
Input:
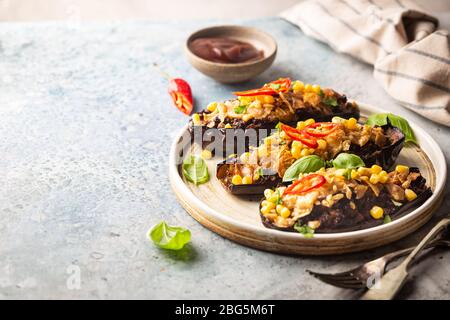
{"points": [[269, 99], [236, 180], [316, 88], [228, 126], [410, 195], [383, 176], [376, 169], [296, 144], [309, 122], [268, 193], [206, 154], [354, 174], [305, 152], [268, 204], [273, 198], [285, 212], [245, 100], [196, 119], [308, 87], [212, 106], [266, 210], [351, 123], [301, 125], [247, 180], [298, 86], [279, 208], [376, 212], [322, 144], [364, 171], [296, 152], [401, 169], [374, 178]]}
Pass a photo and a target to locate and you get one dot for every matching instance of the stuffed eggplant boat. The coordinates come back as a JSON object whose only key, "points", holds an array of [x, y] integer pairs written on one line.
{"points": [[330, 201], [262, 109], [264, 167]]}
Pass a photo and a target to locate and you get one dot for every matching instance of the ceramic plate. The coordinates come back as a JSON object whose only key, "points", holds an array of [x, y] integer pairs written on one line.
{"points": [[238, 219]]}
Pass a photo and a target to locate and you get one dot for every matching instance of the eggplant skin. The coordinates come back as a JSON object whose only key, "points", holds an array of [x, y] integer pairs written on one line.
{"points": [[342, 218], [225, 169], [344, 110], [386, 156]]}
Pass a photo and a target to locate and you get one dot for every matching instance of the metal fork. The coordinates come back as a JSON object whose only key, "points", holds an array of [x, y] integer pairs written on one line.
{"points": [[358, 277]]}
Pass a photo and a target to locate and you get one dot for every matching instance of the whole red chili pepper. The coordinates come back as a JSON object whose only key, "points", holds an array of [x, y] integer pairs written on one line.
{"points": [[181, 94]]}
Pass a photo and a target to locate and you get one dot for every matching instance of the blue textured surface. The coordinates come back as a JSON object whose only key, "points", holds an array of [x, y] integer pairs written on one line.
{"points": [[85, 130]]}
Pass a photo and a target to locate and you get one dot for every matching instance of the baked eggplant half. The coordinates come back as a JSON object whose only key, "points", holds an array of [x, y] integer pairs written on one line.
{"points": [[329, 200], [243, 121], [264, 167]]}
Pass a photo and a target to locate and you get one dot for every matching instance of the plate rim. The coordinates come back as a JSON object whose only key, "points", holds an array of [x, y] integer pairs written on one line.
{"points": [[439, 167]]}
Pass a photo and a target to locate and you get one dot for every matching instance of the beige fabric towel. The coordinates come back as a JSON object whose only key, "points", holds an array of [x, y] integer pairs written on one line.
{"points": [[411, 57]]}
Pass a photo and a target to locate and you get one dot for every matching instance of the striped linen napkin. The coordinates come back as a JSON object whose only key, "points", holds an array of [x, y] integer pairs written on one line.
{"points": [[411, 57]]}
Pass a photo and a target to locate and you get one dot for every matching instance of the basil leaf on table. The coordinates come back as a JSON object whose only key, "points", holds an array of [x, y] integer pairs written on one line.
{"points": [[195, 170], [382, 119], [167, 237], [303, 165]]}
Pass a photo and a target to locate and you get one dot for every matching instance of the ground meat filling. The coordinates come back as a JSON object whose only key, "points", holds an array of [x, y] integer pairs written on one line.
{"points": [[344, 199], [278, 152], [285, 107]]}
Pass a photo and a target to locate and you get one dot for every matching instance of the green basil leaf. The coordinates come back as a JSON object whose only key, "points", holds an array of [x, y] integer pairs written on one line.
{"points": [[275, 86], [382, 119], [240, 109], [278, 126], [279, 199], [387, 219], [167, 237], [259, 171], [379, 119], [403, 125], [330, 101], [347, 161], [195, 170], [303, 165], [305, 230]]}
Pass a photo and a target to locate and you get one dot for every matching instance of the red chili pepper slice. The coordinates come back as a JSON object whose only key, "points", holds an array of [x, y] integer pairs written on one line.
{"points": [[271, 88], [298, 135], [306, 184], [181, 94], [320, 129]]}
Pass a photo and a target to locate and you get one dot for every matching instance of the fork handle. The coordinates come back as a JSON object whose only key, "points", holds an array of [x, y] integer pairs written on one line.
{"points": [[438, 228], [403, 252]]}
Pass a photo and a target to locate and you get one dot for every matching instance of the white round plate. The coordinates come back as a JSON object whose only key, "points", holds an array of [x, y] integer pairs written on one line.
{"points": [[238, 219]]}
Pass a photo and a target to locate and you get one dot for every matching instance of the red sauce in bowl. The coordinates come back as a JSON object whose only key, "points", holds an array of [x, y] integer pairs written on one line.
{"points": [[225, 50]]}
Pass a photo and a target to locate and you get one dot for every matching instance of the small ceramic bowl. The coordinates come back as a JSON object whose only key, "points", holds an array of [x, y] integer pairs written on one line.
{"points": [[234, 72]]}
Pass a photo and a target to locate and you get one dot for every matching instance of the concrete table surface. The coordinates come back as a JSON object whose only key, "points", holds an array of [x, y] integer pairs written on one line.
{"points": [[85, 130]]}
